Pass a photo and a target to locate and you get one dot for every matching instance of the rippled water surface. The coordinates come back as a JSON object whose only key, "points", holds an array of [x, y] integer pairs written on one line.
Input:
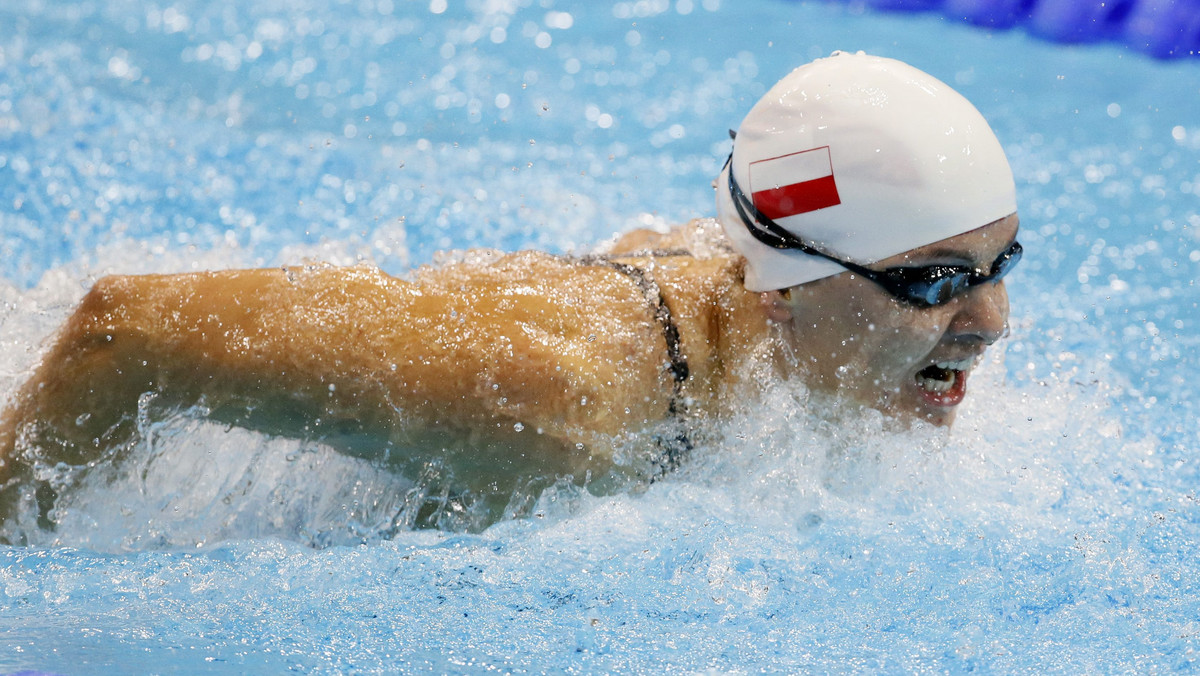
{"points": [[1054, 528]]}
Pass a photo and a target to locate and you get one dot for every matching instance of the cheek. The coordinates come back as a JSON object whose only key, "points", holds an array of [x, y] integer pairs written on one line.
{"points": [[851, 325], [900, 340]]}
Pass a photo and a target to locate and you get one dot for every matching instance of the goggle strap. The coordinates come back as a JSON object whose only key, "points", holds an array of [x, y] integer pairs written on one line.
{"points": [[764, 228], [767, 231]]}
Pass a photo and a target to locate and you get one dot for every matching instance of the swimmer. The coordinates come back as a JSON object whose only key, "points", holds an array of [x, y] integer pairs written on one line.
{"points": [[865, 219]]}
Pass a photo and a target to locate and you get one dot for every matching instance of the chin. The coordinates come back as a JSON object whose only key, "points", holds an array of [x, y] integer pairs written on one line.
{"points": [[914, 407], [907, 412], [941, 418]]}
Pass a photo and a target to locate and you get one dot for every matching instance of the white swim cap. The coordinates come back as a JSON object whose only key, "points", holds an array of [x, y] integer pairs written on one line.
{"points": [[862, 158]]}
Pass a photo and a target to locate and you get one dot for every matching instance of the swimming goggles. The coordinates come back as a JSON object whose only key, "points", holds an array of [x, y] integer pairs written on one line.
{"points": [[924, 286]]}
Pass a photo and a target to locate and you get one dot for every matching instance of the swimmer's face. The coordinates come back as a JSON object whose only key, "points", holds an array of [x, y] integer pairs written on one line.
{"points": [[856, 341]]}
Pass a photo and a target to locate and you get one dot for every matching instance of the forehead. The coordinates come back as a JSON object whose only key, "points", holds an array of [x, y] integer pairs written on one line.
{"points": [[979, 246]]}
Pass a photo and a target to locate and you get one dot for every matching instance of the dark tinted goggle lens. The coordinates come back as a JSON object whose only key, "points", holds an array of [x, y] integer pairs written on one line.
{"points": [[1006, 261], [938, 284], [942, 290]]}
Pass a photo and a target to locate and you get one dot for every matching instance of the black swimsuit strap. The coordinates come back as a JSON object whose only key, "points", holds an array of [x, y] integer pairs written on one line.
{"points": [[676, 447], [662, 313]]}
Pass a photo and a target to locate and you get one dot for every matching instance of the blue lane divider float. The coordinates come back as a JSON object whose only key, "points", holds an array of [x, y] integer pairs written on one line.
{"points": [[1164, 29]]}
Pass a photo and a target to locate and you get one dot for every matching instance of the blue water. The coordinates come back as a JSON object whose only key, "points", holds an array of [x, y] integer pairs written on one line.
{"points": [[1054, 529]]}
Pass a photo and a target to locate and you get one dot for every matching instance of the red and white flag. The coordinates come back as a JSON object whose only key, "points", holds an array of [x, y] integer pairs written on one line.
{"points": [[793, 184]]}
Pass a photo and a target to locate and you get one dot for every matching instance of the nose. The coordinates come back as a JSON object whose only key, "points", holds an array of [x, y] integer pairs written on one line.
{"points": [[982, 314]]}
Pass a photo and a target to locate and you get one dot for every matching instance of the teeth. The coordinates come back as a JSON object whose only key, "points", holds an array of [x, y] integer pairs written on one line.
{"points": [[935, 385], [944, 375], [960, 365]]}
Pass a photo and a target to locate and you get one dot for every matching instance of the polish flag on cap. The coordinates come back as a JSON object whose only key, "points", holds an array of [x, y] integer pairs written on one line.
{"points": [[793, 184]]}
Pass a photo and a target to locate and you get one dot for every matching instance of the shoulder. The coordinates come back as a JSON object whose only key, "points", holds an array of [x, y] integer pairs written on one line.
{"points": [[700, 237]]}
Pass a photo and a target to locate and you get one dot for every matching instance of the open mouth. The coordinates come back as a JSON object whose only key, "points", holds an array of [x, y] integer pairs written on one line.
{"points": [[944, 383]]}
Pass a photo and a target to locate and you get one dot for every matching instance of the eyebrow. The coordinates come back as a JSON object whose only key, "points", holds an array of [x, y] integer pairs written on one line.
{"points": [[942, 252]]}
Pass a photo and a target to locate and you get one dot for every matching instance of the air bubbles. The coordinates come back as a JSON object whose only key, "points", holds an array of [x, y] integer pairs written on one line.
{"points": [[601, 120], [120, 68], [559, 20], [662, 137], [270, 30], [643, 8], [173, 21]]}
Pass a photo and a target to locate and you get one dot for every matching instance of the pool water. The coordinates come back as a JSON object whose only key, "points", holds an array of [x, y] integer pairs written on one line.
{"points": [[1056, 528]]}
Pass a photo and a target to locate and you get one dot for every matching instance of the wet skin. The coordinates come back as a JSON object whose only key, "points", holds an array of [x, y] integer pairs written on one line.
{"points": [[537, 358], [472, 354], [850, 338]]}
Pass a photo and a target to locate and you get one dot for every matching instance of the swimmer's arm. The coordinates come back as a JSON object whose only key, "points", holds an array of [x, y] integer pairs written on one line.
{"points": [[216, 339], [313, 353], [323, 352]]}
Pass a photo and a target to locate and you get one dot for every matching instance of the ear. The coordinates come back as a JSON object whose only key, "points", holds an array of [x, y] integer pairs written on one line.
{"points": [[778, 305]]}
